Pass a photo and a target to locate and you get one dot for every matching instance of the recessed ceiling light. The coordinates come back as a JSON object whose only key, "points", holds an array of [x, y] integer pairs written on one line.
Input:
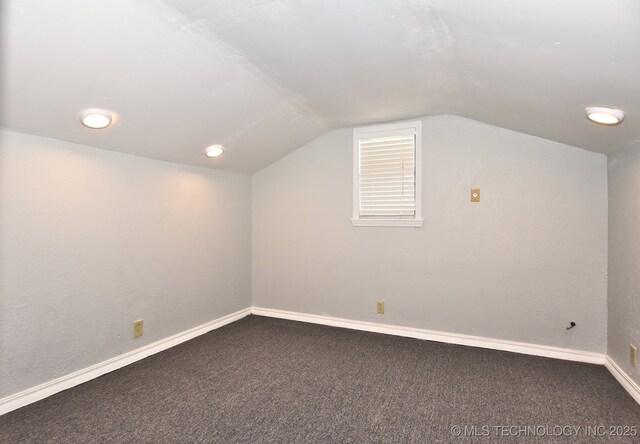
{"points": [[604, 115], [214, 150], [96, 118]]}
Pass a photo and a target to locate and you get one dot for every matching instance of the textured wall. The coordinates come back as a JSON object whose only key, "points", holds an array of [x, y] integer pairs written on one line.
{"points": [[624, 257], [520, 265], [91, 240]]}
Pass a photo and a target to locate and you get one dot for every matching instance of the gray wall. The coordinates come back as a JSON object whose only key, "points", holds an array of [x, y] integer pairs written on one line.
{"points": [[520, 265], [624, 257], [91, 240]]}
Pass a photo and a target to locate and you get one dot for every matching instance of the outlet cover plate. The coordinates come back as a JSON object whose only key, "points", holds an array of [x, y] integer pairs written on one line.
{"points": [[137, 328]]}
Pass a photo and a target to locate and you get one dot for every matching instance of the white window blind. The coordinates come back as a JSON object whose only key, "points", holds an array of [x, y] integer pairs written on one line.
{"points": [[387, 176]]}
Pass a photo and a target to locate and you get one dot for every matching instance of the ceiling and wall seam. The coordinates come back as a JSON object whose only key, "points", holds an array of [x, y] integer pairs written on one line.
{"points": [[265, 77]]}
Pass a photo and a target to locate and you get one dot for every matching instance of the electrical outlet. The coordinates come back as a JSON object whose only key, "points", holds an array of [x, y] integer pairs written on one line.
{"points": [[380, 307], [137, 328], [633, 355], [475, 194]]}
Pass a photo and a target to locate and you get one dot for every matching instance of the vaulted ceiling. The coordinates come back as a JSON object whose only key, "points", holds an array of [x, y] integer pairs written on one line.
{"points": [[262, 77]]}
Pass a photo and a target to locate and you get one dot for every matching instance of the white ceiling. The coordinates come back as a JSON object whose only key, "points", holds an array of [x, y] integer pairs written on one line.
{"points": [[263, 77]]}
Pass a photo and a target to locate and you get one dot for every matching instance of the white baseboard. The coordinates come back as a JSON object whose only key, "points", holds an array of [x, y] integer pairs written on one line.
{"points": [[438, 336], [624, 379], [49, 388], [474, 341]]}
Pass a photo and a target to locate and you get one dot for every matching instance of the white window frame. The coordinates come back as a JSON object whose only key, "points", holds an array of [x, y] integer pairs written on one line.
{"points": [[381, 221]]}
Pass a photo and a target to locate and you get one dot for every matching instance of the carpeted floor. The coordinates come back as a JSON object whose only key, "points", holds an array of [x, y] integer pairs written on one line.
{"points": [[262, 380]]}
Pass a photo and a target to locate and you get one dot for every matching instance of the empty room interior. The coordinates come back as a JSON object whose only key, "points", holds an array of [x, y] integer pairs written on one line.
{"points": [[261, 221]]}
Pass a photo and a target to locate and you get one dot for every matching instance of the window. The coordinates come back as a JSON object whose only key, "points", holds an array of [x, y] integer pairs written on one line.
{"points": [[386, 175]]}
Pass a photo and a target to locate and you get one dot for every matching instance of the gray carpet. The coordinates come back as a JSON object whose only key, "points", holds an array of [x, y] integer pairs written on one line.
{"points": [[262, 380]]}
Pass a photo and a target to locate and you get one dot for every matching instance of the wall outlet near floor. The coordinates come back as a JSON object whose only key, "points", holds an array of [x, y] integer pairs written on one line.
{"points": [[475, 194], [137, 328], [380, 307], [633, 355]]}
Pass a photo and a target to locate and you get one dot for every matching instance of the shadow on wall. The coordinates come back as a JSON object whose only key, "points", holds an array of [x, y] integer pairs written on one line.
{"points": [[4, 24]]}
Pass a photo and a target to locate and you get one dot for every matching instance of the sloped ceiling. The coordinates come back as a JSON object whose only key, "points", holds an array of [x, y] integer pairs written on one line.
{"points": [[264, 77]]}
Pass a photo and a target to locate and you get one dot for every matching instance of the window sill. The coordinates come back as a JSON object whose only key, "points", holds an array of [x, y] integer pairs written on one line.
{"points": [[415, 223]]}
